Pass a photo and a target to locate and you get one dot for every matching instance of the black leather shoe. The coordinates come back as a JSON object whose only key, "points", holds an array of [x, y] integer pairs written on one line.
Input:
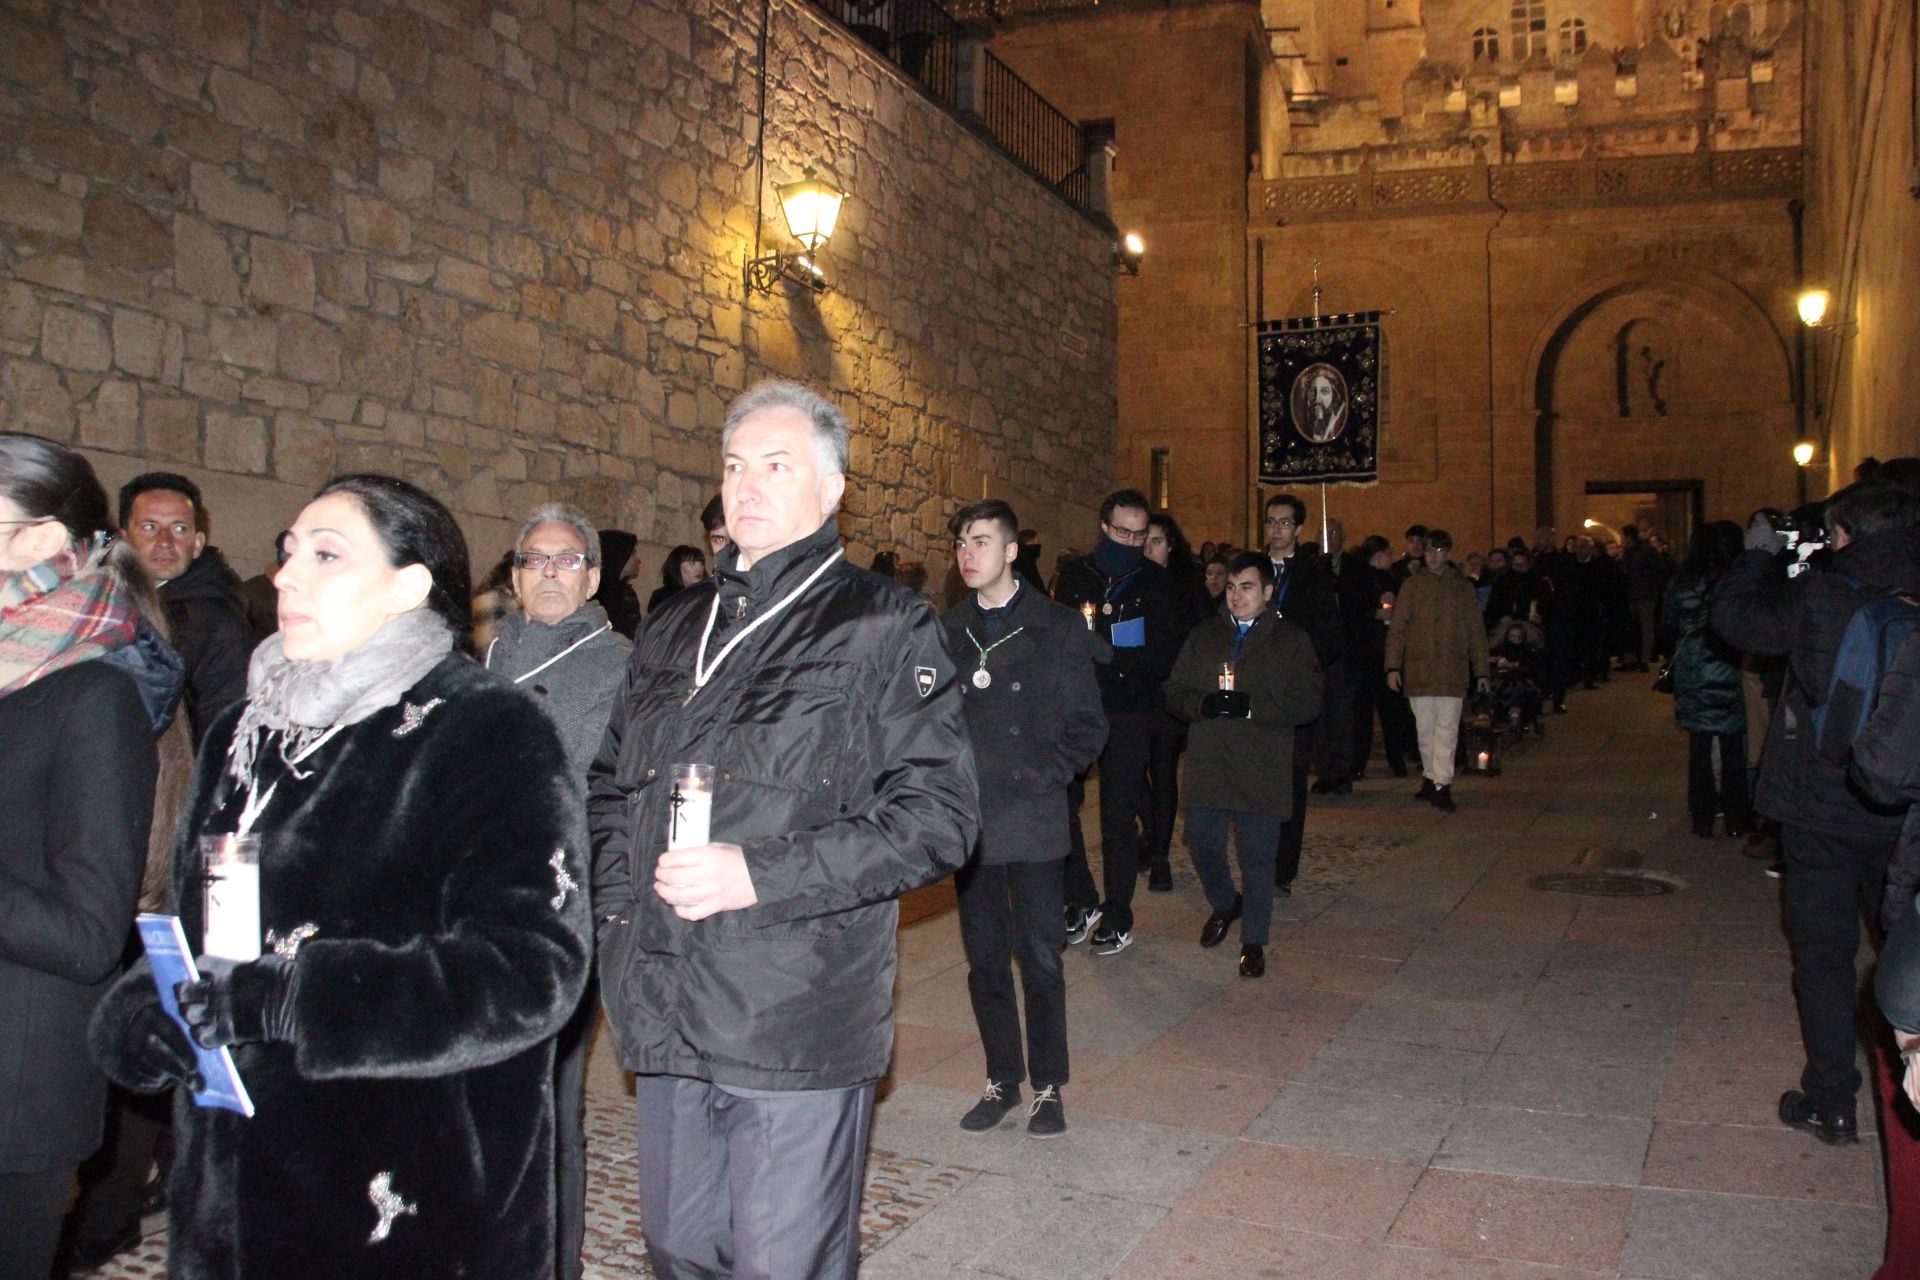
{"points": [[1253, 961], [1218, 923], [1160, 878], [1396, 768], [1344, 787], [1426, 790], [1835, 1128]]}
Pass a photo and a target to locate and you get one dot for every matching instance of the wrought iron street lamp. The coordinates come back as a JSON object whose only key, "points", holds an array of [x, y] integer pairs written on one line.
{"points": [[811, 207]]}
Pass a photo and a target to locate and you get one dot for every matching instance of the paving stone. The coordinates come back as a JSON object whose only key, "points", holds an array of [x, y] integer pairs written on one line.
{"points": [[1407, 1130], [1540, 1144], [1684, 1235]]}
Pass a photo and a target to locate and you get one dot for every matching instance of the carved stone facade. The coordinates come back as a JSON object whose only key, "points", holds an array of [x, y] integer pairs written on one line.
{"points": [[497, 248], [1586, 245]]}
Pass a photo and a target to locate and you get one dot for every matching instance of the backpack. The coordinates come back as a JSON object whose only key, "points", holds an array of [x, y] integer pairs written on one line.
{"points": [[1871, 642]]}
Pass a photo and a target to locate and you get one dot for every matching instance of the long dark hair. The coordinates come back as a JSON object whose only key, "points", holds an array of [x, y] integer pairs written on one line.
{"points": [[415, 527], [49, 481], [1712, 550], [670, 568], [1184, 570]]}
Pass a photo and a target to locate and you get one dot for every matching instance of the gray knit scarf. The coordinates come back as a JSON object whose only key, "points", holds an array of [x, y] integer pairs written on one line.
{"points": [[301, 701]]}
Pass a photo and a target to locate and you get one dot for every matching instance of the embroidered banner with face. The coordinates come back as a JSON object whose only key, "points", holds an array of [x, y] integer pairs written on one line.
{"points": [[1323, 398]]}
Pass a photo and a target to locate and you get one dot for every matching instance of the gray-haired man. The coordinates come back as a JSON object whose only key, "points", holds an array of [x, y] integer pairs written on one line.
{"points": [[561, 649], [748, 967]]}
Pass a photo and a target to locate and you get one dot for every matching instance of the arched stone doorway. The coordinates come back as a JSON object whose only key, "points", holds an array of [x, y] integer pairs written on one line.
{"points": [[1675, 376]]}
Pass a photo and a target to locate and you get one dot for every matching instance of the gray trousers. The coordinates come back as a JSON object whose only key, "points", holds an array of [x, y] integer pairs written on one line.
{"points": [[751, 1184]]}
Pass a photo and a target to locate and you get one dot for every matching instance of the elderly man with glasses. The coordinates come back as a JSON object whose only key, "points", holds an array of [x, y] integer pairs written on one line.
{"points": [[562, 649]]}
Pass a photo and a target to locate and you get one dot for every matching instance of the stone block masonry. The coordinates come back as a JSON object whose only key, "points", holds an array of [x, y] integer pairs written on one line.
{"points": [[497, 249]]}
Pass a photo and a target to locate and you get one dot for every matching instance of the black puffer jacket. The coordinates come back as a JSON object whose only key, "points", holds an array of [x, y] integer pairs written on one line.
{"points": [[1759, 610], [843, 770], [1886, 767], [1130, 683], [210, 630]]}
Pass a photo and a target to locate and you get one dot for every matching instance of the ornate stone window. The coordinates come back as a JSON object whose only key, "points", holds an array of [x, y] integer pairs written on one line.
{"points": [[1486, 44], [1573, 37], [1528, 27]]}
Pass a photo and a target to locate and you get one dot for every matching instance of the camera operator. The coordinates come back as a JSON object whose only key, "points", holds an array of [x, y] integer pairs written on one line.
{"points": [[1835, 844]]}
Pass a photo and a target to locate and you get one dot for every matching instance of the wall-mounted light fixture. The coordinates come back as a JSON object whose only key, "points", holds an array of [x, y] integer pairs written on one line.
{"points": [[812, 208], [1129, 252], [1804, 453], [1812, 305]]}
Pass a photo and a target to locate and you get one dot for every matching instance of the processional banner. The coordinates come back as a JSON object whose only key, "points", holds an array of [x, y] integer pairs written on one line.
{"points": [[1323, 398]]}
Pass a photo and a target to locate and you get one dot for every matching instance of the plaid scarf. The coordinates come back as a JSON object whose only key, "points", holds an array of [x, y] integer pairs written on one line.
{"points": [[62, 612]]}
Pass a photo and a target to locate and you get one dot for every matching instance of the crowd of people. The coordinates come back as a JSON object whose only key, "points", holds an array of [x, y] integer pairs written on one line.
{"points": [[483, 818]]}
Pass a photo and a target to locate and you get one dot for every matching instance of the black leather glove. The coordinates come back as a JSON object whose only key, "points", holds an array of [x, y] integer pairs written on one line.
{"points": [[158, 1053], [240, 1004], [1227, 705]]}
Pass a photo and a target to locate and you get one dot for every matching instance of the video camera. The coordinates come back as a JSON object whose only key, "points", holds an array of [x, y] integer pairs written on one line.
{"points": [[1804, 532]]}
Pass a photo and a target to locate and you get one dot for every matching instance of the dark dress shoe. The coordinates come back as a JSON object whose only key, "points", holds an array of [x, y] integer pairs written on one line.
{"points": [[1426, 790], [1396, 768], [1218, 923], [1344, 787], [1835, 1128], [1283, 887], [1253, 961]]}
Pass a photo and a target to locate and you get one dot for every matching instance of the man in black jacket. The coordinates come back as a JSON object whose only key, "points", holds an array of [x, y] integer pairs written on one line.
{"points": [[1126, 600], [1834, 843], [747, 968], [1303, 592], [1033, 712], [164, 519]]}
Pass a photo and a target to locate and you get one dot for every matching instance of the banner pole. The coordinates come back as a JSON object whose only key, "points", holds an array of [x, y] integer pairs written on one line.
{"points": [[1323, 517]]}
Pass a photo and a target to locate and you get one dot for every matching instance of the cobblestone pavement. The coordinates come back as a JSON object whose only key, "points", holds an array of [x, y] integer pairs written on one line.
{"points": [[1447, 1073]]}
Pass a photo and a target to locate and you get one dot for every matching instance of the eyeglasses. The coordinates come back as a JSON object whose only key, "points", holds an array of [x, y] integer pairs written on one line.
{"points": [[1281, 522], [1131, 537], [566, 561]]}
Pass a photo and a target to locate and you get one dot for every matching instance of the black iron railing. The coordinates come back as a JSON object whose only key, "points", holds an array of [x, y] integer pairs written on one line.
{"points": [[923, 40], [1035, 132]]}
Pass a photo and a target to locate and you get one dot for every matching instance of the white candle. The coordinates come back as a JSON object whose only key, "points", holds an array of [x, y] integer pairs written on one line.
{"points": [[233, 898], [691, 820]]}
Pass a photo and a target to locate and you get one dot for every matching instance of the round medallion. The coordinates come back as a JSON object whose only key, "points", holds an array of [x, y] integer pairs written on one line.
{"points": [[1107, 607], [981, 679]]}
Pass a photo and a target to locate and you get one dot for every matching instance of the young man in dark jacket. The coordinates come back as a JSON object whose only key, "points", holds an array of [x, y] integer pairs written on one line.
{"points": [[164, 520], [1303, 593], [1126, 600], [1834, 843], [1033, 712], [1246, 679], [748, 969]]}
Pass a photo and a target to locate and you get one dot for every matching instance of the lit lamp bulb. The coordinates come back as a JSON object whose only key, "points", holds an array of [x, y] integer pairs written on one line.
{"points": [[1135, 245], [812, 207], [1813, 307], [1132, 251], [1803, 453]]}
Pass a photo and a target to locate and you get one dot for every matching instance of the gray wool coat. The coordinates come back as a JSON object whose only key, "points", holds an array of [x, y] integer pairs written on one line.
{"points": [[577, 691]]}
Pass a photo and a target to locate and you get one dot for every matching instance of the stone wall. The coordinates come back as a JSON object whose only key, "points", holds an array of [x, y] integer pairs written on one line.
{"points": [[497, 248], [1864, 229], [1173, 80]]}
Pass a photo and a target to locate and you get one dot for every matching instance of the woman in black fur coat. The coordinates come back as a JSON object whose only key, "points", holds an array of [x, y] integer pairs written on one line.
{"points": [[425, 931]]}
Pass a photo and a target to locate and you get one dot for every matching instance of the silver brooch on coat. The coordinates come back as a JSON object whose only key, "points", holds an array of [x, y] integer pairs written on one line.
{"points": [[288, 944], [561, 880], [388, 1204], [412, 717]]}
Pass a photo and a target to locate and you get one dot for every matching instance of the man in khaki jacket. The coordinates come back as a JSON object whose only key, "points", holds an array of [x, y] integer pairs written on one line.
{"points": [[1436, 647]]}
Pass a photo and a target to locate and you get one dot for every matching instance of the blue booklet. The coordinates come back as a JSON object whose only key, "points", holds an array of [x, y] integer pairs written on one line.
{"points": [[1131, 634], [172, 964]]}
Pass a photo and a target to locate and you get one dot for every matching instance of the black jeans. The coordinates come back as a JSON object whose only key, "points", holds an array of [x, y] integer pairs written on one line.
{"points": [[1827, 880], [1163, 787], [1333, 731], [1727, 795], [1286, 862], [570, 1134], [1368, 680], [1007, 910], [1123, 789]]}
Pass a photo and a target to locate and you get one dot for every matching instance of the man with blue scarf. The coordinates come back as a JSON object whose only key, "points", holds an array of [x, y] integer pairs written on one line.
{"points": [[1125, 599]]}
